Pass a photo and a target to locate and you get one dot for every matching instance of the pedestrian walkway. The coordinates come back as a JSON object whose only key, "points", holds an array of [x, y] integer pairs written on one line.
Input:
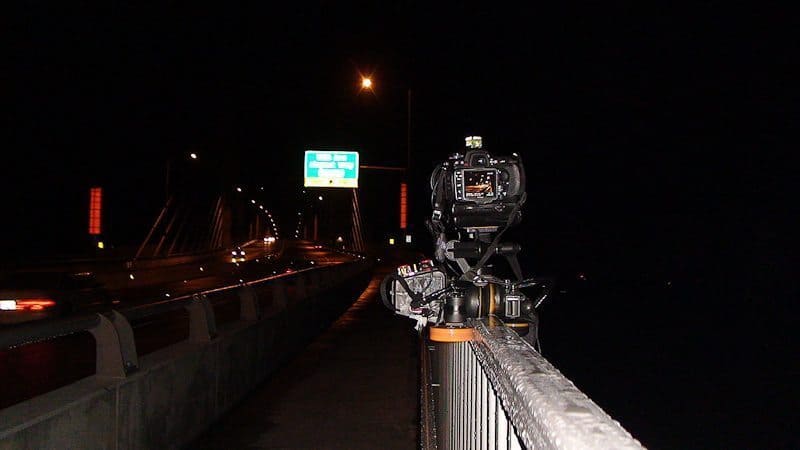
{"points": [[355, 387]]}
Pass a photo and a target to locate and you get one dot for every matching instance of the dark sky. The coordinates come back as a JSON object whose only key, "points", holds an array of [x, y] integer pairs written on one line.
{"points": [[658, 140], [642, 128], [658, 132]]}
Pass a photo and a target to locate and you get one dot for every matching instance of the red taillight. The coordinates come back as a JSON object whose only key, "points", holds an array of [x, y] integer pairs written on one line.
{"points": [[34, 304]]}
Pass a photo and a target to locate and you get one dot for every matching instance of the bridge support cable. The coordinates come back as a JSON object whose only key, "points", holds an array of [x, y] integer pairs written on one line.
{"points": [[359, 225], [181, 242], [153, 228], [208, 229], [357, 232], [165, 234], [353, 226], [218, 227], [214, 227], [216, 224], [361, 244]]}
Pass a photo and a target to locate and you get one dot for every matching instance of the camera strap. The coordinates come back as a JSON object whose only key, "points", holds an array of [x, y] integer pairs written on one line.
{"points": [[473, 272], [438, 194]]}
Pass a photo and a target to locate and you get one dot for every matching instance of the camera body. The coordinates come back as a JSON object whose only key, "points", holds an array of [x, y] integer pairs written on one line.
{"points": [[475, 197], [478, 191]]}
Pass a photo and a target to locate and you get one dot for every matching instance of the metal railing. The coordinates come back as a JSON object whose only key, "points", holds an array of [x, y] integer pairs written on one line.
{"points": [[498, 392]]}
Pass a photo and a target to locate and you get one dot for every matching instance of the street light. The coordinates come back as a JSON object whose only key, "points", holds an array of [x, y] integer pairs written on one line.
{"points": [[368, 85]]}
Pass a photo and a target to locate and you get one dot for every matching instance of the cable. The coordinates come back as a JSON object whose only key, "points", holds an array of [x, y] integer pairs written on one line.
{"points": [[436, 294], [493, 246], [417, 298]]}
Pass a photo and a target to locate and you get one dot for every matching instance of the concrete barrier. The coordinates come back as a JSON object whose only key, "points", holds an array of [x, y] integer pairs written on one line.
{"points": [[179, 391]]}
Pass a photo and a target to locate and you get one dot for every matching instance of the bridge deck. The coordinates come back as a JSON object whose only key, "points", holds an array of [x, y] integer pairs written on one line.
{"points": [[354, 387]]}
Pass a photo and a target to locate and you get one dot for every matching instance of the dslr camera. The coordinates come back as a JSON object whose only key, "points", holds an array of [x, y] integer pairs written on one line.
{"points": [[475, 196], [477, 191]]}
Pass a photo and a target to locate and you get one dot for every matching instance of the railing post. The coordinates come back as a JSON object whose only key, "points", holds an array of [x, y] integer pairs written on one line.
{"points": [[491, 417], [311, 284], [327, 278], [316, 281], [116, 349], [249, 308], [278, 304], [202, 323], [428, 431], [300, 286]]}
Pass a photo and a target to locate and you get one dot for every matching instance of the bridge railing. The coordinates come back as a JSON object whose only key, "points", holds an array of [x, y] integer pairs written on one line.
{"points": [[116, 353], [167, 397], [497, 392]]}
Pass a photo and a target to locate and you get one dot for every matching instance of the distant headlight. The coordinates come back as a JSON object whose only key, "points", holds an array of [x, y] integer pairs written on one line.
{"points": [[8, 305], [29, 304]]}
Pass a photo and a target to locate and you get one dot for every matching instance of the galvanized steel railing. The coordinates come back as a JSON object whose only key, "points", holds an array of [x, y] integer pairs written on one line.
{"points": [[498, 392]]}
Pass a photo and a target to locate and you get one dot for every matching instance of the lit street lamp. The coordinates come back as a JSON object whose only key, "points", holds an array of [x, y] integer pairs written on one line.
{"points": [[368, 85]]}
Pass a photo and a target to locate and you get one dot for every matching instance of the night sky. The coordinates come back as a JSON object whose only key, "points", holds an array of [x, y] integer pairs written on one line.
{"points": [[658, 143]]}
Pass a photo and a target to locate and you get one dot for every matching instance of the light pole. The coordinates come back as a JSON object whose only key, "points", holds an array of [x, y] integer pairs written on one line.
{"points": [[368, 85], [408, 135]]}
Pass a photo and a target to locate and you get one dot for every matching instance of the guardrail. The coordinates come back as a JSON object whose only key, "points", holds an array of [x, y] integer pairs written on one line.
{"points": [[166, 398], [497, 392]]}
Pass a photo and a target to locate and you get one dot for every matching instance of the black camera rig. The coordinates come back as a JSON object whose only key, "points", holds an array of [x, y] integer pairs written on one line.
{"points": [[475, 198], [478, 192]]}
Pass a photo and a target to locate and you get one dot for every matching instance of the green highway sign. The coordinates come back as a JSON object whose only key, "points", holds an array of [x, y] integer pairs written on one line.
{"points": [[330, 168]]}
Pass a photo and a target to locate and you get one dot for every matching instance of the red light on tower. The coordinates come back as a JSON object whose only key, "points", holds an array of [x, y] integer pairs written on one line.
{"points": [[95, 208], [403, 206]]}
